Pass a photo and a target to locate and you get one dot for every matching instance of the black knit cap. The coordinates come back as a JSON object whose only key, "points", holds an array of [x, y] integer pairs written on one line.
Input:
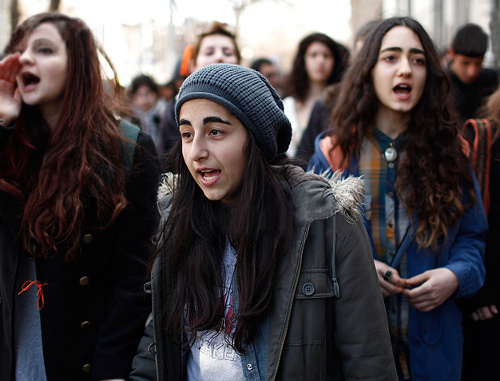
{"points": [[247, 94]]}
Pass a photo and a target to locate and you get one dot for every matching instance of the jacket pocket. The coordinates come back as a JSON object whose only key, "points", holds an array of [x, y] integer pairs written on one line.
{"points": [[430, 325], [315, 284], [306, 344], [313, 298]]}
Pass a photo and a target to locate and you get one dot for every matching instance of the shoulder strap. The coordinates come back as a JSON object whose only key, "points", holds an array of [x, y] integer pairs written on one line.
{"points": [[130, 133], [336, 288], [405, 243], [481, 155]]}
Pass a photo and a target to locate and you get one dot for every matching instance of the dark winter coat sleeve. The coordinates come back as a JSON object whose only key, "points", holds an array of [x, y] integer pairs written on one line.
{"points": [[129, 305]]}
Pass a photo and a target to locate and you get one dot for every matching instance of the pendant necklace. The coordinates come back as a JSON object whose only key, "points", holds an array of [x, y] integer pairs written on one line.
{"points": [[391, 153]]}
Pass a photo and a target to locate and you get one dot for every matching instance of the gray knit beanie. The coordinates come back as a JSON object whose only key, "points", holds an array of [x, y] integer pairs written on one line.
{"points": [[246, 94]]}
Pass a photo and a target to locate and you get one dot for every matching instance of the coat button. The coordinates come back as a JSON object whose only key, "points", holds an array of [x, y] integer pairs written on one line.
{"points": [[86, 368], [249, 367], [85, 325], [88, 238], [308, 289], [84, 281]]}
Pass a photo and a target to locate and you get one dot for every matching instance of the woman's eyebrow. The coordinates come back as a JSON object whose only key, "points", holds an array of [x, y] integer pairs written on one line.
{"points": [[399, 49], [41, 41], [214, 119]]}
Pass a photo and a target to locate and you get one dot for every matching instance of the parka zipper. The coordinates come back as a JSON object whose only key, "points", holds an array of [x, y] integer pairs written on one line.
{"points": [[292, 302]]}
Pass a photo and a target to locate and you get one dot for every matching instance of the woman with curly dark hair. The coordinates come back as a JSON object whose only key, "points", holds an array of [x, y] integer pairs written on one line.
{"points": [[320, 61], [77, 194], [394, 126]]}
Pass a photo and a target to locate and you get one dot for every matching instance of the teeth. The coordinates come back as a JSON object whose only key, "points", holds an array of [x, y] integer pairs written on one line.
{"points": [[206, 174]]}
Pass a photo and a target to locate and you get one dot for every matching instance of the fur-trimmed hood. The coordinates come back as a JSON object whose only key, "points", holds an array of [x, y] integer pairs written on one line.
{"points": [[347, 192]]}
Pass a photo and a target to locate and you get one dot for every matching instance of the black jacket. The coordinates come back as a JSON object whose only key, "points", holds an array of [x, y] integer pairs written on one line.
{"points": [[95, 307], [468, 98]]}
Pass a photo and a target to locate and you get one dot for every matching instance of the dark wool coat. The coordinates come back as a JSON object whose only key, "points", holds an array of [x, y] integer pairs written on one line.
{"points": [[95, 307]]}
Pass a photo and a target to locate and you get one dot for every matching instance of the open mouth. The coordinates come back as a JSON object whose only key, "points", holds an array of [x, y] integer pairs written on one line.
{"points": [[210, 174], [30, 80], [402, 90]]}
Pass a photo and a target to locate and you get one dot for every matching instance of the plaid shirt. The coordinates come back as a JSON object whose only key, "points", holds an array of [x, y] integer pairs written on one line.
{"points": [[388, 222]]}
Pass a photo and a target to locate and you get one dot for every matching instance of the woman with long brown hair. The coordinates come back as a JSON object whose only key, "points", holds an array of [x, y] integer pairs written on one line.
{"points": [[394, 126], [77, 193]]}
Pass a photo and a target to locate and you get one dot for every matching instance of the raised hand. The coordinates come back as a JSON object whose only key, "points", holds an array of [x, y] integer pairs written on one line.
{"points": [[10, 96]]}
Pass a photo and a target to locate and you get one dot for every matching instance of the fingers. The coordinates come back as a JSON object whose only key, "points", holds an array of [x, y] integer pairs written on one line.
{"points": [[438, 285], [417, 279], [9, 68], [485, 313], [389, 279]]}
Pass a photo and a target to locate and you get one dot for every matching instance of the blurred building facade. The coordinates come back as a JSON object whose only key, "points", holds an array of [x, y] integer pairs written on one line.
{"points": [[153, 47], [441, 18]]}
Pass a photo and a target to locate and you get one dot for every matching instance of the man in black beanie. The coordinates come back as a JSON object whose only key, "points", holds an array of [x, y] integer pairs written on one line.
{"points": [[471, 83]]}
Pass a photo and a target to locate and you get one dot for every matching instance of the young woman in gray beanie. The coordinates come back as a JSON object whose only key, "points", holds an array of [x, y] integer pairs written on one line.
{"points": [[261, 271]]}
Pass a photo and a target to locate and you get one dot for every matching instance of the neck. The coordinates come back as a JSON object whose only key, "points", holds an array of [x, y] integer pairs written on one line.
{"points": [[51, 115], [315, 90], [392, 123]]}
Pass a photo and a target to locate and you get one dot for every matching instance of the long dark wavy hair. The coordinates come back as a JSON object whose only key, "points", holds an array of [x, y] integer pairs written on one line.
{"points": [[56, 174], [298, 81], [434, 174], [259, 226]]}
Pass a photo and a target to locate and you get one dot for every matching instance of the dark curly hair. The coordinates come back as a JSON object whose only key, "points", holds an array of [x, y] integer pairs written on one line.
{"points": [[433, 178]]}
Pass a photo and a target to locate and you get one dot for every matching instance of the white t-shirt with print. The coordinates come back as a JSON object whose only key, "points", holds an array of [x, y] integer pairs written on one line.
{"points": [[212, 357]]}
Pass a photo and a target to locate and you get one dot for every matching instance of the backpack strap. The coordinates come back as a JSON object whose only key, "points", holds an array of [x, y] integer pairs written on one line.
{"points": [[336, 288], [481, 155], [130, 133]]}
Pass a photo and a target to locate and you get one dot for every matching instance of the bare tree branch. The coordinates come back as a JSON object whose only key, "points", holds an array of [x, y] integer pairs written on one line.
{"points": [[239, 7], [14, 14], [54, 5]]}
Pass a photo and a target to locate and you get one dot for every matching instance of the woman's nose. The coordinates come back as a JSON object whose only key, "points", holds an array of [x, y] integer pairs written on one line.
{"points": [[26, 57], [198, 149], [404, 67]]}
